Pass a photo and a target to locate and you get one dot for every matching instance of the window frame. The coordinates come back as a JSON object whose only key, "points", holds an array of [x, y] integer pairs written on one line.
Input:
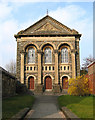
{"points": [[64, 55], [49, 59], [31, 61]]}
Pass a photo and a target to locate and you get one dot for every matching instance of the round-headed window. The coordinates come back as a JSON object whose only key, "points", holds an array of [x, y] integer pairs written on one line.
{"points": [[31, 55]]}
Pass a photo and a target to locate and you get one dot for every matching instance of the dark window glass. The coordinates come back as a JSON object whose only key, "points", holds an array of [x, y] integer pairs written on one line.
{"points": [[64, 67], [68, 67], [53, 68], [61, 67], [49, 68], [46, 68], [30, 68]]}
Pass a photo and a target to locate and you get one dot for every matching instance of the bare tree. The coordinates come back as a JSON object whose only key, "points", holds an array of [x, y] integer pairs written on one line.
{"points": [[87, 61], [11, 67]]}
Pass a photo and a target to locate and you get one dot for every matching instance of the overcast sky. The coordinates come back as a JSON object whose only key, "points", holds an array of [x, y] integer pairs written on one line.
{"points": [[15, 16]]}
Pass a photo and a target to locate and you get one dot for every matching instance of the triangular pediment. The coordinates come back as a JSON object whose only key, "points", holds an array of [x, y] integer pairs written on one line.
{"points": [[47, 26]]}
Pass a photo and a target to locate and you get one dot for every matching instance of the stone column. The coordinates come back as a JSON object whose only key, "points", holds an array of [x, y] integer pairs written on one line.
{"points": [[22, 68], [39, 66], [73, 64], [56, 66]]}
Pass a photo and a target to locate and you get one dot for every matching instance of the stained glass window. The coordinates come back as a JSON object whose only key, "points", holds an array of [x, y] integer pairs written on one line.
{"points": [[48, 55], [31, 55], [64, 55]]}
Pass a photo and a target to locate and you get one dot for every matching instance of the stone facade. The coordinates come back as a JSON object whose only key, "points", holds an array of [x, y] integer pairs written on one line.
{"points": [[50, 33]]}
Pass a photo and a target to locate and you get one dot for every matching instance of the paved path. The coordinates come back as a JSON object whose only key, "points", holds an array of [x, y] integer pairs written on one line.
{"points": [[45, 107]]}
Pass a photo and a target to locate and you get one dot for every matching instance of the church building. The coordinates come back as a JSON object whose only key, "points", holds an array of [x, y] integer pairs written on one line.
{"points": [[47, 55]]}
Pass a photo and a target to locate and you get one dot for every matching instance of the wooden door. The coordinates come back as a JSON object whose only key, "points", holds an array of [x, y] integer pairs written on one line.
{"points": [[48, 82], [31, 83], [65, 82]]}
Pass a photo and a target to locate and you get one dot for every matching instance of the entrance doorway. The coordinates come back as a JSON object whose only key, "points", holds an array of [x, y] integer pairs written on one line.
{"points": [[48, 83], [65, 82], [31, 83]]}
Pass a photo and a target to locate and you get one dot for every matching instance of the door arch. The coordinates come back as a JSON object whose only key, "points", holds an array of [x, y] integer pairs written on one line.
{"points": [[65, 82], [48, 83], [31, 83]]}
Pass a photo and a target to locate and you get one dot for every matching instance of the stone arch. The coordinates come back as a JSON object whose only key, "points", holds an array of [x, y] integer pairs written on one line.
{"points": [[47, 43], [48, 82], [28, 44], [31, 76], [62, 77], [62, 43], [46, 76], [51, 46], [28, 79]]}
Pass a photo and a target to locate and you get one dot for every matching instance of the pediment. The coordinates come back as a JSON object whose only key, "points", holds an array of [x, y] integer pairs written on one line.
{"points": [[47, 26]]}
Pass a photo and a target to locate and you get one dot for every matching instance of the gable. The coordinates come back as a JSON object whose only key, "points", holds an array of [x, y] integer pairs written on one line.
{"points": [[47, 26]]}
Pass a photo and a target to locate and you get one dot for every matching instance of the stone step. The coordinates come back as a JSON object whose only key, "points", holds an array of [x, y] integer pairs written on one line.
{"points": [[48, 93]]}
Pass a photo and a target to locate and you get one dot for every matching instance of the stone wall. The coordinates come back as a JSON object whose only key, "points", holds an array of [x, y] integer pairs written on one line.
{"points": [[8, 83]]}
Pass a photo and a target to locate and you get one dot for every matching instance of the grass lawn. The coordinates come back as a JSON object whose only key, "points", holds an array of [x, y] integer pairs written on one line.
{"points": [[12, 105], [81, 106]]}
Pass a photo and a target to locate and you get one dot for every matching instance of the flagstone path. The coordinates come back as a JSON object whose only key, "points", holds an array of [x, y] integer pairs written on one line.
{"points": [[45, 106]]}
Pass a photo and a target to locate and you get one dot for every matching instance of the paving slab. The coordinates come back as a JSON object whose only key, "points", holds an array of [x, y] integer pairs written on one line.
{"points": [[46, 106]]}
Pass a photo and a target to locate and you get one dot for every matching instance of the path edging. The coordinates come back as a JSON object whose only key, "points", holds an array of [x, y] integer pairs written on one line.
{"points": [[21, 114], [69, 114]]}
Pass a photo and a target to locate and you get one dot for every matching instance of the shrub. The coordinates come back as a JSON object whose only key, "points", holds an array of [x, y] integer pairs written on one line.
{"points": [[79, 86]]}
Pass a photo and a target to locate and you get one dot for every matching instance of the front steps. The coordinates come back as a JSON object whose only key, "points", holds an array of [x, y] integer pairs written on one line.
{"points": [[48, 93], [56, 90]]}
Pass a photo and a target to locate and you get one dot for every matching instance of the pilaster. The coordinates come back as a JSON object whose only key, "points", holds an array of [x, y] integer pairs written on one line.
{"points": [[56, 66], [73, 63], [22, 68], [39, 66], [78, 57]]}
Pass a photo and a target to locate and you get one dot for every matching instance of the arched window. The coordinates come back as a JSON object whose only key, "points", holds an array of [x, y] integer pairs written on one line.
{"points": [[64, 55], [31, 55], [48, 55]]}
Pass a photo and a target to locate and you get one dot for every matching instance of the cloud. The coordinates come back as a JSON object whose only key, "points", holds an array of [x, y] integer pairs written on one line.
{"points": [[7, 41], [8, 26], [77, 18], [71, 15]]}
